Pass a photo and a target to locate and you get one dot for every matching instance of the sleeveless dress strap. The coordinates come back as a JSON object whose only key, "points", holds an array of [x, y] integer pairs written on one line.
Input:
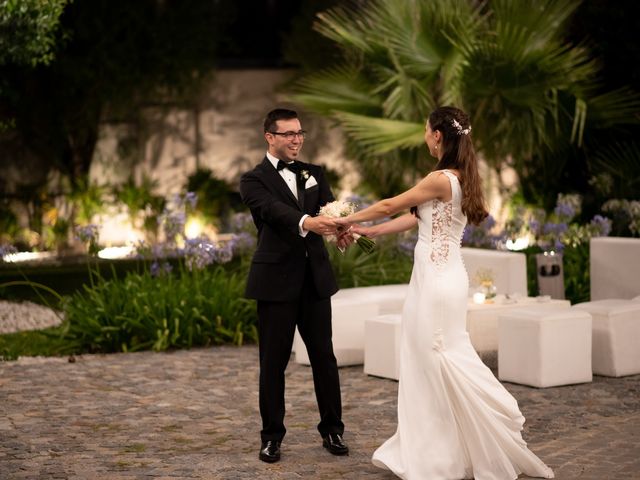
{"points": [[456, 191]]}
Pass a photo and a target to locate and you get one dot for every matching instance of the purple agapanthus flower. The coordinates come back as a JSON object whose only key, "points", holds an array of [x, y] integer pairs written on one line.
{"points": [[601, 226], [567, 206], [199, 253], [534, 226], [7, 249], [554, 228], [242, 222], [224, 253], [407, 243], [191, 198], [242, 242], [488, 223], [558, 246], [359, 201], [480, 235], [564, 210], [173, 223], [87, 233], [158, 269], [467, 234]]}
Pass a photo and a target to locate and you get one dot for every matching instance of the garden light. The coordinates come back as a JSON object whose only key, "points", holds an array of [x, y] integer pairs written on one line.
{"points": [[27, 256], [194, 227], [112, 253], [518, 244]]}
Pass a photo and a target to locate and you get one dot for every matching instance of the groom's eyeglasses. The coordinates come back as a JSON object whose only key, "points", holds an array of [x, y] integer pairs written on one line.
{"points": [[291, 135]]}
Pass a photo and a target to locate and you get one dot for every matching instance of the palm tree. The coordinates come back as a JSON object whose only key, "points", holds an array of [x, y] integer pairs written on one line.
{"points": [[504, 61]]}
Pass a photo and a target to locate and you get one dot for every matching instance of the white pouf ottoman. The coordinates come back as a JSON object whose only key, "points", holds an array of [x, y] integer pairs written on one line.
{"points": [[390, 298], [347, 324], [544, 347], [382, 346], [509, 268], [614, 263], [616, 336]]}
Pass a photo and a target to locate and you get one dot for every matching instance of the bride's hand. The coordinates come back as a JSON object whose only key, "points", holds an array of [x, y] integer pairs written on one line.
{"points": [[342, 225], [344, 240], [366, 231]]}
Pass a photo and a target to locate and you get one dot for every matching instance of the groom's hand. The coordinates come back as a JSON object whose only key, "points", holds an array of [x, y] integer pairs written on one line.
{"points": [[321, 225], [344, 238]]}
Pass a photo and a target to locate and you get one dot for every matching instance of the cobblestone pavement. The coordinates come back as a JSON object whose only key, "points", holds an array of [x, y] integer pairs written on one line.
{"points": [[193, 414]]}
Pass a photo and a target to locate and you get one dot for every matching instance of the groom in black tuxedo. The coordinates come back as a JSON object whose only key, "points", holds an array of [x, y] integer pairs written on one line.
{"points": [[292, 279]]}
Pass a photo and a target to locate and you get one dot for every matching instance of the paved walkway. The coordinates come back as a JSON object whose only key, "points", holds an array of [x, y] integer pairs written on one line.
{"points": [[193, 414]]}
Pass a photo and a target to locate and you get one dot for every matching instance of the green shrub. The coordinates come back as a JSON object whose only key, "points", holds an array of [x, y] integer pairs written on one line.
{"points": [[577, 279], [532, 270], [46, 342], [169, 310], [575, 263], [385, 265]]}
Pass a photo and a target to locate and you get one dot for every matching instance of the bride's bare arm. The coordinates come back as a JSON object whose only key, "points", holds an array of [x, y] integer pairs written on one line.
{"points": [[434, 185], [399, 224]]}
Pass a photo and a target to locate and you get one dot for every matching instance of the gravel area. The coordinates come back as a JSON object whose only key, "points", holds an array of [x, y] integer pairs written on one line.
{"points": [[193, 414], [15, 317]]}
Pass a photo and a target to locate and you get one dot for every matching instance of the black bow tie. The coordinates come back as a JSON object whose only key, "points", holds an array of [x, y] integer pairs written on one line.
{"points": [[293, 166]]}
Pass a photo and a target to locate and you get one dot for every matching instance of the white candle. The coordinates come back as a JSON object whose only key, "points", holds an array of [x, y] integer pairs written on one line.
{"points": [[478, 297]]}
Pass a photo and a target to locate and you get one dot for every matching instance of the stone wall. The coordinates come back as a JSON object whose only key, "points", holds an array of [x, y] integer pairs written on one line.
{"points": [[222, 132]]}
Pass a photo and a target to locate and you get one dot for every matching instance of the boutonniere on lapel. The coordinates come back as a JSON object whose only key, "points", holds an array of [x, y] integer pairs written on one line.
{"points": [[304, 174]]}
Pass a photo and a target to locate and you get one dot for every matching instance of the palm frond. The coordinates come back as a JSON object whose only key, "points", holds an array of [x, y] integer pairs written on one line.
{"points": [[621, 160], [542, 21], [415, 51], [346, 27], [338, 89], [620, 106], [579, 120], [406, 96], [506, 62], [380, 135]]}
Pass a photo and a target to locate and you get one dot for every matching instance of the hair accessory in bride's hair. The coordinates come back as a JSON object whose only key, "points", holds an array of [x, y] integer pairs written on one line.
{"points": [[459, 129]]}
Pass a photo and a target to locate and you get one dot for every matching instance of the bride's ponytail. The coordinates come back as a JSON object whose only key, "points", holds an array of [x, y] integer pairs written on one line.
{"points": [[472, 197], [458, 153]]}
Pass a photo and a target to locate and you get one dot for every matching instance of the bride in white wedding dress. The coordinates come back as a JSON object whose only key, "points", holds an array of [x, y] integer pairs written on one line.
{"points": [[455, 420]]}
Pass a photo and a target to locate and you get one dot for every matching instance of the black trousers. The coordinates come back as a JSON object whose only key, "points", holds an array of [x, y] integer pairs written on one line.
{"points": [[276, 327]]}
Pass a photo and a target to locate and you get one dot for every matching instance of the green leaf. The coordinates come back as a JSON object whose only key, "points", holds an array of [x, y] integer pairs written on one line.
{"points": [[378, 135]]}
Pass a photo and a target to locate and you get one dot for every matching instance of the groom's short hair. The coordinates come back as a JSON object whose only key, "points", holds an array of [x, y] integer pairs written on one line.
{"points": [[277, 114]]}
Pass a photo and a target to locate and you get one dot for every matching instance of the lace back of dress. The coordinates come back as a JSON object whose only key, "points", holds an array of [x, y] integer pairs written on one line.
{"points": [[441, 223]]}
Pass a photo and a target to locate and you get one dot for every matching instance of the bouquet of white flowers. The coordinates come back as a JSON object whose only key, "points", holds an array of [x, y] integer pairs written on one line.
{"points": [[339, 209]]}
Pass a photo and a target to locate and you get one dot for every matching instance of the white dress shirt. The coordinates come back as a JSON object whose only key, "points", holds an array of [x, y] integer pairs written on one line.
{"points": [[290, 179]]}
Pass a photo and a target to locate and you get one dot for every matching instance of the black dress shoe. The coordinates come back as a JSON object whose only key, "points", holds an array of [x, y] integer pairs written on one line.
{"points": [[335, 444], [270, 451]]}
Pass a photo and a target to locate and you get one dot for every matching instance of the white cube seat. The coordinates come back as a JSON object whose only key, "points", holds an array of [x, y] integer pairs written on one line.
{"points": [[509, 269], [544, 347], [347, 324], [482, 320], [382, 346], [616, 336], [614, 264], [390, 298]]}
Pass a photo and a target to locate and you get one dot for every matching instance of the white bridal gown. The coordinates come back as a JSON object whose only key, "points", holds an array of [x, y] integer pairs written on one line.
{"points": [[455, 420]]}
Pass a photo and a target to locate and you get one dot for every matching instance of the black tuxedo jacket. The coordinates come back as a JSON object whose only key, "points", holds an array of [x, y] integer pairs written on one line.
{"points": [[278, 266]]}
